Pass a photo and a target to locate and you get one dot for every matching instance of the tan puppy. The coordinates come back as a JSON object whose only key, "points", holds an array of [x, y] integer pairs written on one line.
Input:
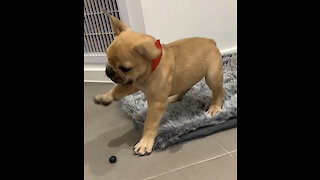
{"points": [[182, 64]]}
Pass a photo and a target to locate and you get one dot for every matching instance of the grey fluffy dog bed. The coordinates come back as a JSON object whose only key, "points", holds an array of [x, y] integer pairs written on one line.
{"points": [[186, 119]]}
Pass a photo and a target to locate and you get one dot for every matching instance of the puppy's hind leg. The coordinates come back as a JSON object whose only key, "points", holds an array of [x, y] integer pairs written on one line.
{"points": [[214, 79]]}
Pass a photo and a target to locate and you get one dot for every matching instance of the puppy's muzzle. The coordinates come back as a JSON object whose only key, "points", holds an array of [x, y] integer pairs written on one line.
{"points": [[110, 72], [113, 75]]}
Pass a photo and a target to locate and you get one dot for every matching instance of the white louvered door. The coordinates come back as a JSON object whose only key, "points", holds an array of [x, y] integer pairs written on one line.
{"points": [[98, 33]]}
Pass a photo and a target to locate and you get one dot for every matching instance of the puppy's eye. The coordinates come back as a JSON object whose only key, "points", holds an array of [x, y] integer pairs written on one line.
{"points": [[124, 69]]}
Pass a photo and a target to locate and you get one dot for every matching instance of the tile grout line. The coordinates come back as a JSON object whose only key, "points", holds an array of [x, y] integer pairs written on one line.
{"points": [[233, 156], [193, 164], [226, 149], [231, 153], [221, 145]]}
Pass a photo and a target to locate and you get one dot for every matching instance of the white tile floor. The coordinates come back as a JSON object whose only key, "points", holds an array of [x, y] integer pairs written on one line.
{"points": [[108, 132]]}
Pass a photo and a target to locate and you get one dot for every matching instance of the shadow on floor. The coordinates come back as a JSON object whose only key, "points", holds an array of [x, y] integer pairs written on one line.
{"points": [[130, 138], [97, 152]]}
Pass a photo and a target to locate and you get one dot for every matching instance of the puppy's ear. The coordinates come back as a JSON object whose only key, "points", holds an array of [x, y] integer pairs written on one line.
{"points": [[118, 26], [147, 49]]}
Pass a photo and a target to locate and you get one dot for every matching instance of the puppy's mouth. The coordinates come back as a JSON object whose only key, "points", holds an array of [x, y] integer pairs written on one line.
{"points": [[129, 82], [119, 80]]}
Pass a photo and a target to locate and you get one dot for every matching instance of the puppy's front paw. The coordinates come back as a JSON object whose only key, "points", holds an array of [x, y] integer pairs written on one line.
{"points": [[213, 110], [103, 99], [144, 146]]}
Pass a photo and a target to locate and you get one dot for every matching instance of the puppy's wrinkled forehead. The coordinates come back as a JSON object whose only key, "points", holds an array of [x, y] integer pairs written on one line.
{"points": [[121, 48], [131, 47]]}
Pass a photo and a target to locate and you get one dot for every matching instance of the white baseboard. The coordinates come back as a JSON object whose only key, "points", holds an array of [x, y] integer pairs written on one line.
{"points": [[230, 50], [96, 76], [96, 72]]}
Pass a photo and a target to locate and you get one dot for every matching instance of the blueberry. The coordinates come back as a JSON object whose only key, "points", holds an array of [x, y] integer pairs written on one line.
{"points": [[112, 159]]}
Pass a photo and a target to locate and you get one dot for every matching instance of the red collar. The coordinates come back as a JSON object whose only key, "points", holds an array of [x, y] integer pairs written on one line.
{"points": [[156, 61]]}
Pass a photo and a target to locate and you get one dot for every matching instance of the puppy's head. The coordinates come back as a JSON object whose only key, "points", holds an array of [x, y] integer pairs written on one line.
{"points": [[130, 54]]}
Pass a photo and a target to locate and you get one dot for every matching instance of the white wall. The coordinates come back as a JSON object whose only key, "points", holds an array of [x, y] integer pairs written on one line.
{"points": [[131, 14], [170, 20]]}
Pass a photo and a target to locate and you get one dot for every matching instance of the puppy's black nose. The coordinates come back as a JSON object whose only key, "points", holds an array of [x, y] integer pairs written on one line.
{"points": [[109, 72]]}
